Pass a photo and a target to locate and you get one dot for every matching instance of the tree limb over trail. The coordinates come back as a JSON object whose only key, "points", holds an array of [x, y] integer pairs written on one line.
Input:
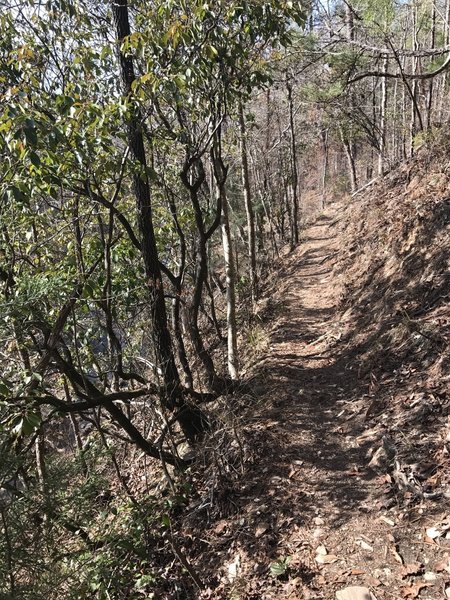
{"points": [[400, 75], [388, 52]]}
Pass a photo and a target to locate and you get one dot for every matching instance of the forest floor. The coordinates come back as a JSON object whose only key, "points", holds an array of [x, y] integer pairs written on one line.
{"points": [[336, 491]]}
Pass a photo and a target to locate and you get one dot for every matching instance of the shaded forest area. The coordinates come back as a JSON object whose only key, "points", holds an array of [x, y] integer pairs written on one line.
{"points": [[160, 163]]}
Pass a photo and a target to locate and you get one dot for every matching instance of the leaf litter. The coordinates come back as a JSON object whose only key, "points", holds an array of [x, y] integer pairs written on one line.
{"points": [[352, 475]]}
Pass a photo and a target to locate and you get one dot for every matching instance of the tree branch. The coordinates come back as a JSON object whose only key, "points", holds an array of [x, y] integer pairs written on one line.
{"points": [[420, 76]]}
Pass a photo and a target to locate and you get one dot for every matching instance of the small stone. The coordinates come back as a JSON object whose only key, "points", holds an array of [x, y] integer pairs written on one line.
{"points": [[321, 550], [382, 573], [387, 521], [364, 545], [433, 533], [355, 592], [318, 533], [319, 521], [430, 576]]}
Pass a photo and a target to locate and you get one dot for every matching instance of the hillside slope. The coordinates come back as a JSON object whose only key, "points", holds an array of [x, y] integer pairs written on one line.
{"points": [[343, 472]]}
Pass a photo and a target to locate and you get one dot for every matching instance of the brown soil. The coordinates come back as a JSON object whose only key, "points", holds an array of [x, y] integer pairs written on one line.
{"points": [[342, 472]]}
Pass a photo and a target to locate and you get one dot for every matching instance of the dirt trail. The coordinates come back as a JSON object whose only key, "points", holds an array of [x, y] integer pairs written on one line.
{"points": [[309, 493]]}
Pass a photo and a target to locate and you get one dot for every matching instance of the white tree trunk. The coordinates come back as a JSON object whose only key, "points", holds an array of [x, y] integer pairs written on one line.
{"points": [[233, 369]]}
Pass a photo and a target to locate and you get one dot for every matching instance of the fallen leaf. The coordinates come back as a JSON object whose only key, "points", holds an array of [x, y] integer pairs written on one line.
{"points": [[233, 568], [318, 533], [443, 565], [397, 556], [411, 569], [292, 472], [357, 572], [372, 581], [261, 529], [413, 590], [220, 527], [386, 520], [322, 556], [326, 559], [291, 587]]}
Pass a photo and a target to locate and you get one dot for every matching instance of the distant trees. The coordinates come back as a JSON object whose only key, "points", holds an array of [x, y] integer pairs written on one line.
{"points": [[391, 61]]}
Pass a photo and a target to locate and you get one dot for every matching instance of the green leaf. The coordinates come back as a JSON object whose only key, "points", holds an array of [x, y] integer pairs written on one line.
{"points": [[280, 566], [151, 173], [211, 51], [89, 290], [35, 160], [18, 195], [31, 422], [4, 390], [165, 520], [31, 136]]}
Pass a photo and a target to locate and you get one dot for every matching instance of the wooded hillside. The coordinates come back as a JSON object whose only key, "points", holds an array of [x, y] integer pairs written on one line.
{"points": [[163, 167]]}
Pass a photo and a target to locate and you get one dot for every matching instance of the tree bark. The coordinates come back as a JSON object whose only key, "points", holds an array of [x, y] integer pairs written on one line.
{"points": [[382, 138], [220, 173], [431, 84], [251, 242], [295, 229], [193, 182], [415, 111], [325, 166], [349, 145], [190, 419], [350, 161]]}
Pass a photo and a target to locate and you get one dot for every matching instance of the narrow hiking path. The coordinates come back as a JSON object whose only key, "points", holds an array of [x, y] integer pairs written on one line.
{"points": [[309, 494], [309, 378]]}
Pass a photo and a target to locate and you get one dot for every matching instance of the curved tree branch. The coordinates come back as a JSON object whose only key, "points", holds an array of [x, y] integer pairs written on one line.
{"points": [[400, 75]]}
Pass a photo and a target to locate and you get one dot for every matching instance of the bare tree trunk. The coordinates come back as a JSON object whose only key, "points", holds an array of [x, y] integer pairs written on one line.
{"points": [[350, 161], [404, 152], [394, 136], [431, 83], [220, 173], [176, 325], [383, 106], [295, 228], [231, 293], [444, 76], [415, 85], [248, 208], [349, 21], [9, 554], [347, 140], [325, 165]]}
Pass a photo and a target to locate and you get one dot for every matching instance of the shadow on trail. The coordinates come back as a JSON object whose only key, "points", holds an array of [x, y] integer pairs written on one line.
{"points": [[300, 463], [302, 459], [301, 466]]}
